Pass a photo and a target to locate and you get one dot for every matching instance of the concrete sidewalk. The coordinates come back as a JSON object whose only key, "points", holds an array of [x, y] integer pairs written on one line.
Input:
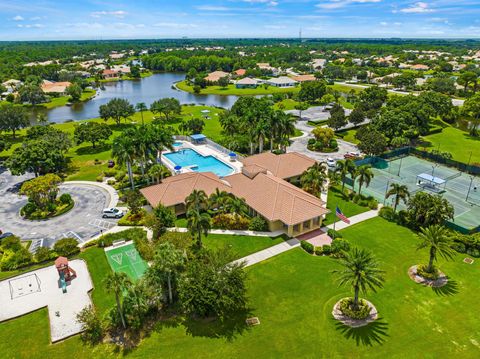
{"points": [[353, 220], [269, 252]]}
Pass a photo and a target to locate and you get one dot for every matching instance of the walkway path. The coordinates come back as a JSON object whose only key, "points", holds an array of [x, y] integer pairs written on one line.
{"points": [[353, 220], [269, 252]]}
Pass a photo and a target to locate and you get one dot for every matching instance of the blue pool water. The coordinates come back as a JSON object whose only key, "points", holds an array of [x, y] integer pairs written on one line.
{"points": [[177, 144], [189, 157]]}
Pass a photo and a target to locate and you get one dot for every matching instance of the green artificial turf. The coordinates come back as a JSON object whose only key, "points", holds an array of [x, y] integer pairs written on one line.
{"points": [[293, 294], [457, 142]]}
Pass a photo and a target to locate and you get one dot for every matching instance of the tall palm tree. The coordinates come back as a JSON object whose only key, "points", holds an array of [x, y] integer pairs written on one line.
{"points": [[198, 223], [437, 239], [236, 206], [313, 179], [160, 138], [197, 200], [167, 265], [141, 107], [123, 150], [400, 192], [218, 200], [365, 175], [361, 272], [158, 172], [117, 283], [286, 128], [344, 168], [262, 129]]}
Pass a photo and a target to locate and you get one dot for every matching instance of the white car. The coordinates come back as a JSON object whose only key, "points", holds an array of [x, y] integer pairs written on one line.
{"points": [[112, 213], [331, 162]]}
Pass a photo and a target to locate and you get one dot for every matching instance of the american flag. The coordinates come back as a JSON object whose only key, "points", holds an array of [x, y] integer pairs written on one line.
{"points": [[340, 215]]}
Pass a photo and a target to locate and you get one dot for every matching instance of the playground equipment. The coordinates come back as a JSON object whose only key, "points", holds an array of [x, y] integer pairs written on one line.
{"points": [[65, 272]]}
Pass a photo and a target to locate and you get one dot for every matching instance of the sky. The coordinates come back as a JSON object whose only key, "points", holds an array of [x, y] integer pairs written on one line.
{"points": [[133, 19]]}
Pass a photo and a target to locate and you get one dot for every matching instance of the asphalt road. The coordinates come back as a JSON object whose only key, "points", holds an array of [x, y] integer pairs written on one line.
{"points": [[82, 222]]}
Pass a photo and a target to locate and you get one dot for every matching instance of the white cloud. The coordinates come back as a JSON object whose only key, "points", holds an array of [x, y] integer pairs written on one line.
{"points": [[212, 8], [383, 23], [29, 26], [268, 2], [417, 8], [18, 18], [118, 13], [337, 4]]}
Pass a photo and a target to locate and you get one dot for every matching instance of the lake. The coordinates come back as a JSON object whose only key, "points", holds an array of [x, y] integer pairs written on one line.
{"points": [[146, 90]]}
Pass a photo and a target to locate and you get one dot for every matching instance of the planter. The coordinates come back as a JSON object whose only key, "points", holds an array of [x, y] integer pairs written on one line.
{"points": [[434, 283], [351, 322]]}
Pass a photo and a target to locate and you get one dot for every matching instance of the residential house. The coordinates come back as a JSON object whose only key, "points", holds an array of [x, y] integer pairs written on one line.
{"points": [[216, 75], [246, 82], [284, 206], [318, 63], [55, 87], [109, 74], [420, 67], [304, 78], [282, 81], [240, 72], [12, 85]]}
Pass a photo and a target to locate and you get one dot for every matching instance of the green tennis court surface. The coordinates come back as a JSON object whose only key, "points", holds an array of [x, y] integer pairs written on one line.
{"points": [[126, 259]]}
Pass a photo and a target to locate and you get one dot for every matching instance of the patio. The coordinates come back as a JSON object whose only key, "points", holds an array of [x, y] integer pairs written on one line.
{"points": [[317, 238]]}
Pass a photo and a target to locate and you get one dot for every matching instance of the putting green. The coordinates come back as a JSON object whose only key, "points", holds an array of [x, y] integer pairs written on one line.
{"points": [[126, 259]]}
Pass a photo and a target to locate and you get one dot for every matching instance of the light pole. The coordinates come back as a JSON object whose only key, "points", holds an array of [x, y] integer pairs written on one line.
{"points": [[400, 166], [469, 188], [386, 190]]}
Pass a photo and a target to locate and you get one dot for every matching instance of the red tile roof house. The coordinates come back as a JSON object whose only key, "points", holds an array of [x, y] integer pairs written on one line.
{"points": [[264, 186], [214, 76], [240, 72], [109, 74]]}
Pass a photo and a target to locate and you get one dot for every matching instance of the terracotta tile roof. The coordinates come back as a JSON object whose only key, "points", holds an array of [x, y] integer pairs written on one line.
{"points": [[173, 190], [216, 75], [240, 72], [276, 199], [284, 166], [304, 78], [59, 87], [247, 81]]}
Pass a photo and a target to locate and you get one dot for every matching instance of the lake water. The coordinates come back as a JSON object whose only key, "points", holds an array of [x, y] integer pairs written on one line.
{"points": [[145, 90]]}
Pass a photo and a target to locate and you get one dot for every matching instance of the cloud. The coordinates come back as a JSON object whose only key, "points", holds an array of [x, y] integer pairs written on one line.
{"points": [[337, 4], [383, 23], [118, 13], [212, 8], [417, 8], [268, 2], [18, 18], [29, 26]]}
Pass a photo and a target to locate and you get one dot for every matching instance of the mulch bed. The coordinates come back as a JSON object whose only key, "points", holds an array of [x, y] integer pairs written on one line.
{"points": [[437, 283], [354, 323]]}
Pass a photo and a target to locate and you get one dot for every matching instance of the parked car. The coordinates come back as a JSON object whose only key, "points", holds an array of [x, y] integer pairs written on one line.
{"points": [[352, 155], [331, 162], [112, 213], [111, 163]]}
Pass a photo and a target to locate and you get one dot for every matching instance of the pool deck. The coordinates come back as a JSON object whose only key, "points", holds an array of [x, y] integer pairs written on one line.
{"points": [[204, 150]]}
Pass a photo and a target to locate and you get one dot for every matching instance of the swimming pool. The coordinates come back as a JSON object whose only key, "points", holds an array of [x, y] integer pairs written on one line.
{"points": [[196, 162], [177, 144]]}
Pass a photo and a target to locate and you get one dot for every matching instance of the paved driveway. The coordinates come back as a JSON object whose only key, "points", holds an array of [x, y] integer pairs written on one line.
{"points": [[82, 222], [299, 144]]}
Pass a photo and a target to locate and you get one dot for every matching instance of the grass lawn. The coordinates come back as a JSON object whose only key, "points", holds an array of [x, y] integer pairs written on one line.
{"points": [[241, 246], [457, 142], [349, 136], [336, 198], [232, 90], [63, 100], [293, 295]]}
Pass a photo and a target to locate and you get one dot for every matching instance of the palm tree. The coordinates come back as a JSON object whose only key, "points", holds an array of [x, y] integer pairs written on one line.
{"points": [[285, 128], [160, 137], [117, 283], [437, 239], [197, 200], [141, 107], [400, 192], [158, 171], [361, 272], [313, 179], [218, 199], [123, 151], [365, 175], [167, 265], [198, 223], [344, 168], [261, 131], [236, 206]]}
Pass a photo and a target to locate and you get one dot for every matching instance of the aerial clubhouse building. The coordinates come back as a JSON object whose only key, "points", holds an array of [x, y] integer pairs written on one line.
{"points": [[263, 183]]}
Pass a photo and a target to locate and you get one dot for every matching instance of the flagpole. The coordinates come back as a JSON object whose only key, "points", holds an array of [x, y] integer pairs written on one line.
{"points": [[334, 221]]}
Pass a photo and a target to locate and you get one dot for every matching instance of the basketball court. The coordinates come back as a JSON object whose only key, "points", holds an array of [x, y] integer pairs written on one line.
{"points": [[124, 257], [460, 189]]}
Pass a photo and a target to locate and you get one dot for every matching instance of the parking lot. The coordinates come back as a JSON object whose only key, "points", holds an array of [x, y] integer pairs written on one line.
{"points": [[82, 222]]}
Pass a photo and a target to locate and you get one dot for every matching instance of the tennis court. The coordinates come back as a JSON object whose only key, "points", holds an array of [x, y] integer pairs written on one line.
{"points": [[447, 182], [126, 259]]}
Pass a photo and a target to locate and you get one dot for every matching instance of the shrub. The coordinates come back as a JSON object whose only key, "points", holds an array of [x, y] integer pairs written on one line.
{"points": [[308, 247], [258, 224], [44, 254], [228, 221], [66, 247], [28, 209], [65, 198], [311, 141], [340, 245], [422, 271], [92, 326], [99, 178], [372, 204], [131, 219], [128, 234], [334, 234], [361, 313], [473, 252], [14, 260], [388, 214], [111, 182], [459, 247], [333, 143], [326, 249], [144, 248], [110, 173], [120, 176], [318, 251], [11, 243], [51, 207]]}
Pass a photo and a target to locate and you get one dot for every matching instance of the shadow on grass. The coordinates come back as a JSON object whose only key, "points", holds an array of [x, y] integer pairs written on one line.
{"points": [[369, 335], [89, 150], [451, 288], [215, 328]]}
